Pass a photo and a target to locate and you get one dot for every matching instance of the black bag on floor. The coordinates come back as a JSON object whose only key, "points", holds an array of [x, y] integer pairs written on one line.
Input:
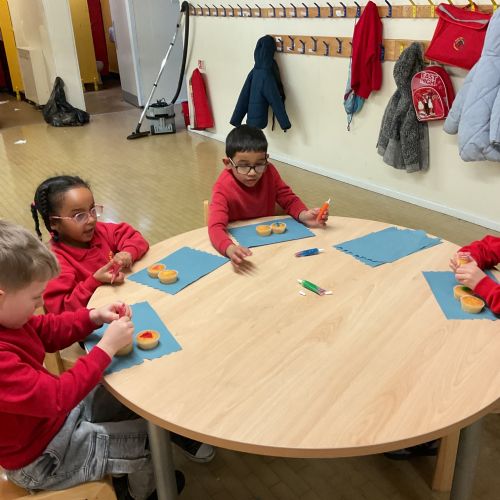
{"points": [[59, 112]]}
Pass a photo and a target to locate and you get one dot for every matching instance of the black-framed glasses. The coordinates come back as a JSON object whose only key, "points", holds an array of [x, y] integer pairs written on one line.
{"points": [[259, 167], [83, 217]]}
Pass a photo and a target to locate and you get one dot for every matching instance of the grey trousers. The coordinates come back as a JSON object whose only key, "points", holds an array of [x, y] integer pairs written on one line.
{"points": [[99, 437]]}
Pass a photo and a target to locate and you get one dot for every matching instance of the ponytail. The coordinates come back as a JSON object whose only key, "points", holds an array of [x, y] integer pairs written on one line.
{"points": [[48, 197]]}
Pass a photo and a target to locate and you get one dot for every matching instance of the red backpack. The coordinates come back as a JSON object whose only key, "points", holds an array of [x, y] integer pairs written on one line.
{"points": [[432, 93]]}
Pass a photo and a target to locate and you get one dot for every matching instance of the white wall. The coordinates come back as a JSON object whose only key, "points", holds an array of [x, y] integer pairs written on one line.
{"points": [[144, 30], [318, 140], [46, 25]]}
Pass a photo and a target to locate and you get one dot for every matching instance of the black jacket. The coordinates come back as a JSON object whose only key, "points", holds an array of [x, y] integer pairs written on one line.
{"points": [[261, 90]]}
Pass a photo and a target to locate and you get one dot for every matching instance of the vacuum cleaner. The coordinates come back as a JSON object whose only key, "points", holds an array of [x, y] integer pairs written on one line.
{"points": [[161, 114]]}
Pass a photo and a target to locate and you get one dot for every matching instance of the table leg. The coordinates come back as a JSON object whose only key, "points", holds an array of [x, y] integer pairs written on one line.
{"points": [[163, 462], [465, 467]]}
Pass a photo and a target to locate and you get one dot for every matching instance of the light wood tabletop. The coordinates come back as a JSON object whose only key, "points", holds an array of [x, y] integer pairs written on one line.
{"points": [[374, 366]]}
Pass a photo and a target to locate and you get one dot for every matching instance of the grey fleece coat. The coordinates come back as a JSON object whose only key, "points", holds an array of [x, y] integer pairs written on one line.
{"points": [[403, 141], [475, 113]]}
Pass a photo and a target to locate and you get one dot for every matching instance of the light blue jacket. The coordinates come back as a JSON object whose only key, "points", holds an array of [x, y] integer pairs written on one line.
{"points": [[475, 113]]}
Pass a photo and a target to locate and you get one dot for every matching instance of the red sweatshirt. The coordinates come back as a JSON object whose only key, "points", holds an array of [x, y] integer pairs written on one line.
{"points": [[75, 284], [34, 403], [366, 66], [232, 201], [487, 255]]}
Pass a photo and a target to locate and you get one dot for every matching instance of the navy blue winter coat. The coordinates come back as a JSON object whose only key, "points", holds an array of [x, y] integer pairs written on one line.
{"points": [[261, 90]]}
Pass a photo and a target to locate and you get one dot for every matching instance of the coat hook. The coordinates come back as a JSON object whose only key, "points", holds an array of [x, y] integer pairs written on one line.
{"points": [[327, 48], [294, 13], [283, 10], [216, 10], [209, 13], [495, 5], [450, 2], [358, 9], [389, 8], [306, 11], [224, 13], [315, 44], [249, 10], [433, 8], [413, 9], [382, 53], [472, 6], [302, 47], [198, 7], [260, 10], [318, 13], [339, 45], [279, 44], [292, 39], [274, 10], [331, 9], [401, 48], [241, 10], [345, 9], [232, 10]]}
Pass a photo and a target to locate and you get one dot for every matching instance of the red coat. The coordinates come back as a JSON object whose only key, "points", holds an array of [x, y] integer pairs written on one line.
{"points": [[34, 403], [201, 114], [487, 255], [75, 284], [366, 66], [232, 201]]}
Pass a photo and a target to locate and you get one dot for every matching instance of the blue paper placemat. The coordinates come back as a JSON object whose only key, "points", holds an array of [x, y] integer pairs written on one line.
{"points": [[387, 245], [144, 317], [191, 265], [442, 283], [248, 237]]}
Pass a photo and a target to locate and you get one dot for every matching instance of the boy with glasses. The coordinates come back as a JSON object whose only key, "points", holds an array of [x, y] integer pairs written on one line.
{"points": [[248, 188]]}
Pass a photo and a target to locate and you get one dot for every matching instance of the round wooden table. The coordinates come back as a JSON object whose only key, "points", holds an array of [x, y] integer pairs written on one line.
{"points": [[376, 366]]}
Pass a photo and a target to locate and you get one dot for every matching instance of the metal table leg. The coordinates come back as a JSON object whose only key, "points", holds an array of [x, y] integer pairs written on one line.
{"points": [[465, 466], [163, 462]]}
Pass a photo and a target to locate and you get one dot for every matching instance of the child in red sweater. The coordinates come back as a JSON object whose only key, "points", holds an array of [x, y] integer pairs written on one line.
{"points": [[87, 250], [57, 432], [484, 254], [248, 188]]}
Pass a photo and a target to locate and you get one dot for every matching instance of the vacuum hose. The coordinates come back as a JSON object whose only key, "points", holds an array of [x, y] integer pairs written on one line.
{"points": [[185, 9]]}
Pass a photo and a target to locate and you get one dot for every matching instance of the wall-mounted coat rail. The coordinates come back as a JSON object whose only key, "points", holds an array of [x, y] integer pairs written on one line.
{"points": [[302, 10], [337, 46]]}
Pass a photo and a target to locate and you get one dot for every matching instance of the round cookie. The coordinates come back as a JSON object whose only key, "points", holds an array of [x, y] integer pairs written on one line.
{"points": [[155, 269], [471, 304], [263, 230], [168, 276], [125, 350], [147, 339], [278, 227]]}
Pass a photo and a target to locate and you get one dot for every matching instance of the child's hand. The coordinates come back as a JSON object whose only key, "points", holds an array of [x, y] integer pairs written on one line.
{"points": [[238, 254], [110, 313], [117, 335], [454, 265], [469, 274], [105, 274], [455, 260], [124, 259], [308, 218]]}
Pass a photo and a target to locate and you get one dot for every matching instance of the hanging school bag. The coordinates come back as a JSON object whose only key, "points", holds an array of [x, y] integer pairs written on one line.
{"points": [[432, 93], [459, 36]]}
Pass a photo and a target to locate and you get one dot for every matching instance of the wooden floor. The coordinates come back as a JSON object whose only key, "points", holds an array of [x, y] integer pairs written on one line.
{"points": [[158, 185]]}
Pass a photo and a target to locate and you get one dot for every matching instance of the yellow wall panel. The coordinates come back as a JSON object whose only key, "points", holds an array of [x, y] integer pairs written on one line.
{"points": [[10, 47], [83, 41]]}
